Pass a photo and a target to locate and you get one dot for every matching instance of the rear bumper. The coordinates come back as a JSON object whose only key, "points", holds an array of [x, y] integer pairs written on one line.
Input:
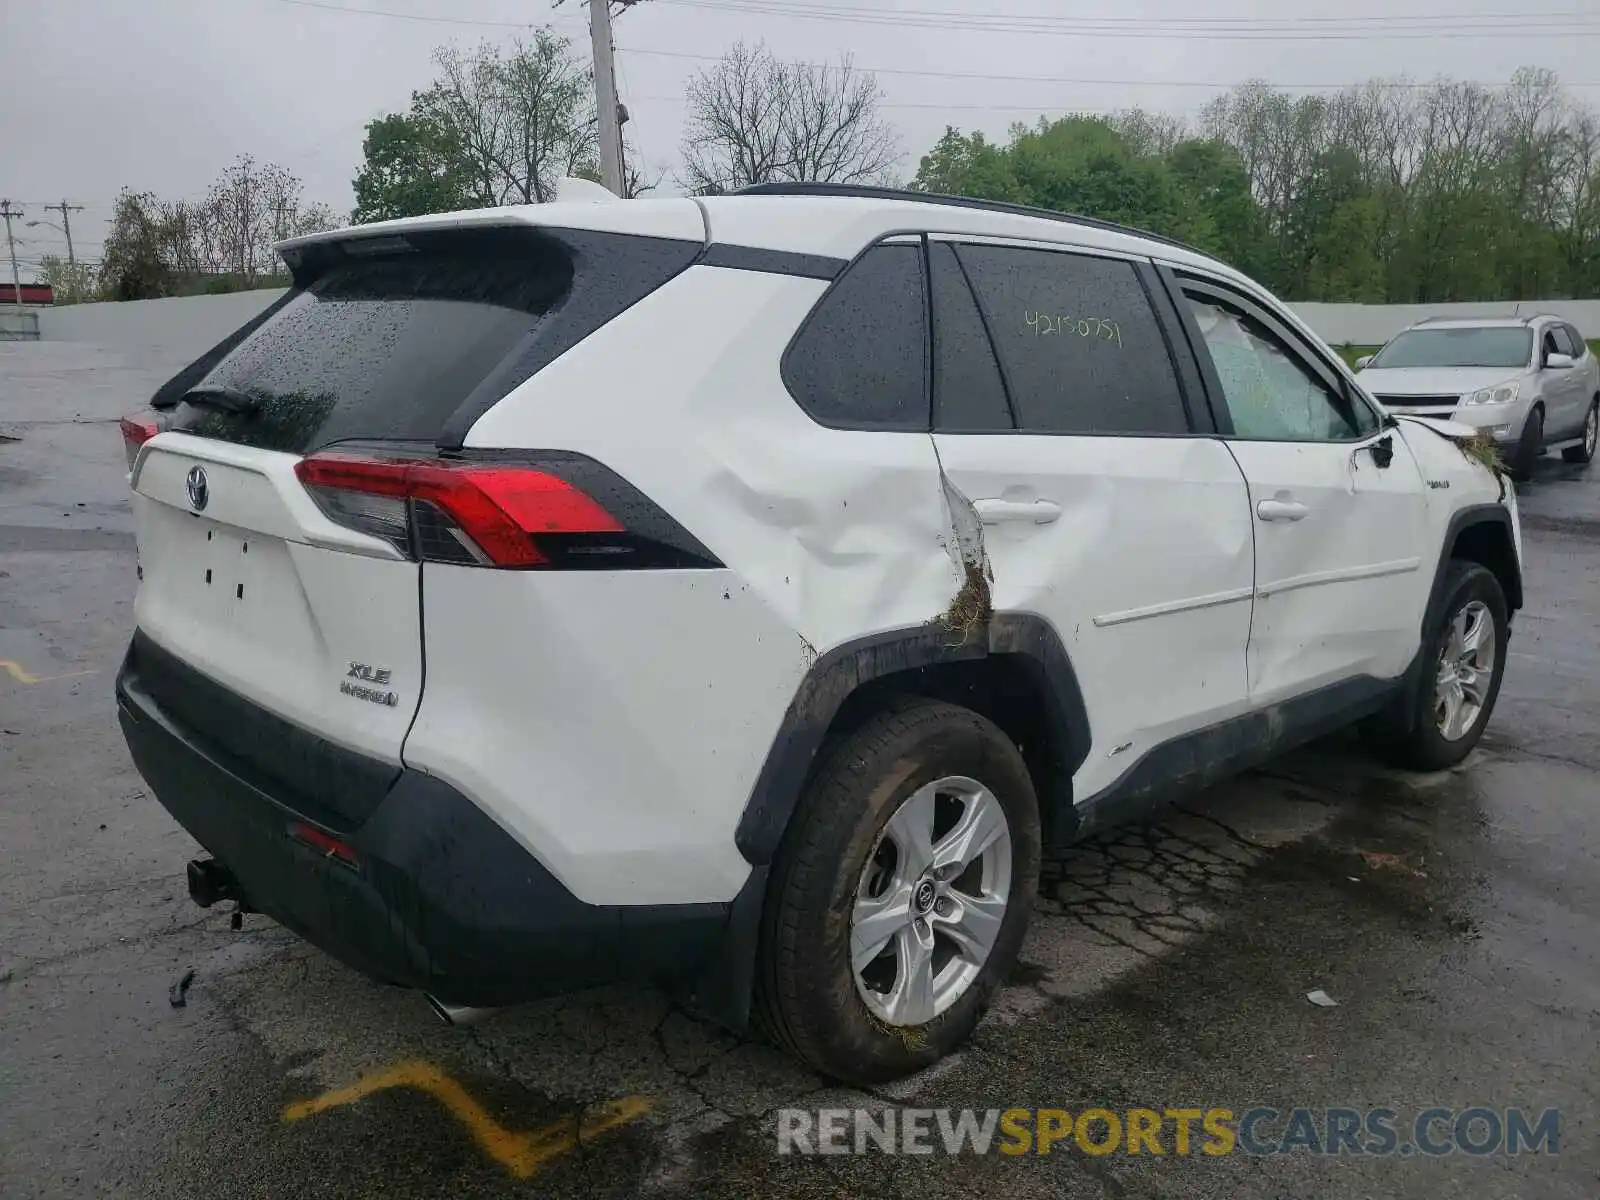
{"points": [[441, 898]]}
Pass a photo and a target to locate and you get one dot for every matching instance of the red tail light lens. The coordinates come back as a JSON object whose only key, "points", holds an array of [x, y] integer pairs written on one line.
{"points": [[497, 514], [136, 431]]}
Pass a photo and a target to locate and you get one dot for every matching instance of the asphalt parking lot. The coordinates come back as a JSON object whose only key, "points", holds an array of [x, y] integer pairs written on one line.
{"points": [[1455, 919]]}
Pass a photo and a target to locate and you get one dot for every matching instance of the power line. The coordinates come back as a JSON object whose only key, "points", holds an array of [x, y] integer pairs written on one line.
{"points": [[1360, 28], [909, 15], [1199, 83], [1143, 29], [422, 17]]}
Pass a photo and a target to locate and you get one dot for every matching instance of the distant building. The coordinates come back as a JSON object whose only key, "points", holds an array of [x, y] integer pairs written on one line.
{"points": [[32, 294]]}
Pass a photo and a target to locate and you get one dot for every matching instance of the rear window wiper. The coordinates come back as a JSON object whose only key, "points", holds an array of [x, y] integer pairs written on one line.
{"points": [[216, 395]]}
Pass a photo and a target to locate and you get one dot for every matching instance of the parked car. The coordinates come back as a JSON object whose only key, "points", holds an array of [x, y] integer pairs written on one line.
{"points": [[1530, 383], [740, 592]]}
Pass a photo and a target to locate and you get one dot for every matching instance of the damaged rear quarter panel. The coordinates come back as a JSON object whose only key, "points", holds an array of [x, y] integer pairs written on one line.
{"points": [[828, 536]]}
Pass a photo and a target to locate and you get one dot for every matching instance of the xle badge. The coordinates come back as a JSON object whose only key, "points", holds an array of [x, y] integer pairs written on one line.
{"points": [[373, 695]]}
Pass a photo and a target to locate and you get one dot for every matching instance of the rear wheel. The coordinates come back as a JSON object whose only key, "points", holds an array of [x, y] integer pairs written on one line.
{"points": [[900, 897], [1465, 660], [1584, 450]]}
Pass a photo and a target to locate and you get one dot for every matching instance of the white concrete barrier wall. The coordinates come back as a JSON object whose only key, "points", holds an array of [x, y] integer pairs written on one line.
{"points": [[180, 329], [183, 328], [1374, 324]]}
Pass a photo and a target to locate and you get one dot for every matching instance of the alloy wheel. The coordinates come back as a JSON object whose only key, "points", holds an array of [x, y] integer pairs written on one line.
{"points": [[1466, 671], [931, 901]]}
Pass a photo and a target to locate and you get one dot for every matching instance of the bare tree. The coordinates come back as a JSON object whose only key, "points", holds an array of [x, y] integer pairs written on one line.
{"points": [[523, 117], [1148, 133], [756, 119], [250, 207]]}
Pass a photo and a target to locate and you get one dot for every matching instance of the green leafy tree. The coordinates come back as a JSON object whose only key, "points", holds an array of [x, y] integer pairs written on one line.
{"points": [[1212, 179], [133, 265], [961, 165], [72, 283], [413, 165], [1383, 192]]}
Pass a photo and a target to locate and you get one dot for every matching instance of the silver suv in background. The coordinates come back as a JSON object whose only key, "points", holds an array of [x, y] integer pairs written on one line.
{"points": [[1531, 383]]}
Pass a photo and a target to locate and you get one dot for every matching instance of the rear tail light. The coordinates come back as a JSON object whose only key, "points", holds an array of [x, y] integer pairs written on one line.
{"points": [[136, 431], [554, 511]]}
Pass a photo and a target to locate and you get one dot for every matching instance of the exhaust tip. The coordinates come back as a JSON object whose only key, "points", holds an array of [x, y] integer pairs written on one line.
{"points": [[457, 1014]]}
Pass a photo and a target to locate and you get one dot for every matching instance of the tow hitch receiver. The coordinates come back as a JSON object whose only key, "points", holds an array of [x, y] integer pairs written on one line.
{"points": [[210, 881]]}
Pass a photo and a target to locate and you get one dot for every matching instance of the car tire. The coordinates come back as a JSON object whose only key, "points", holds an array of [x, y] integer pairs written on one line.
{"points": [[1419, 739], [1584, 451], [1531, 445], [814, 976]]}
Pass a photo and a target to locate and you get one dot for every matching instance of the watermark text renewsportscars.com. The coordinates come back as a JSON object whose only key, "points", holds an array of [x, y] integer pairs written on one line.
{"points": [[1383, 1132]]}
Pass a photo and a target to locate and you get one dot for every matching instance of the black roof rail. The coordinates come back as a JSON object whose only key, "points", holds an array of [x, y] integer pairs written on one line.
{"points": [[865, 192]]}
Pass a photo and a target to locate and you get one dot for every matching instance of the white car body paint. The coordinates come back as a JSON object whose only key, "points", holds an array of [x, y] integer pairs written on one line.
{"points": [[611, 730], [260, 591], [615, 724], [841, 532], [1147, 567], [1339, 589]]}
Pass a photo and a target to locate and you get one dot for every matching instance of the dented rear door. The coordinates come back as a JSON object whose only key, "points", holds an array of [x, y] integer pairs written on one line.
{"points": [[1066, 449]]}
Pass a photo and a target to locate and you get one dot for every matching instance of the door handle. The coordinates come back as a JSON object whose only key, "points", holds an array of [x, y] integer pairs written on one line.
{"points": [[995, 511], [1281, 510]]}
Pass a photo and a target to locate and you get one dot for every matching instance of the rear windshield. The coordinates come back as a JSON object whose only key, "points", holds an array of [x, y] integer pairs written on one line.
{"points": [[1493, 346], [384, 347], [418, 340]]}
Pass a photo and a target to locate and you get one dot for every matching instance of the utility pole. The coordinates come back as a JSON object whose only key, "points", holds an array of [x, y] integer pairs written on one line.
{"points": [[605, 97], [66, 210], [8, 213]]}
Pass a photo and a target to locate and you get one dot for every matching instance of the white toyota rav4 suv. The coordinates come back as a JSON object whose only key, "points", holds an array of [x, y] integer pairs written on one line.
{"points": [[740, 592]]}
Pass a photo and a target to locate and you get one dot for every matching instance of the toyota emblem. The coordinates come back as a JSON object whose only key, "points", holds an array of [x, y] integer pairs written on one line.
{"points": [[199, 490]]}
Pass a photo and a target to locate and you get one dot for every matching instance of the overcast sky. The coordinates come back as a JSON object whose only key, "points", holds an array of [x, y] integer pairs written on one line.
{"points": [[161, 94]]}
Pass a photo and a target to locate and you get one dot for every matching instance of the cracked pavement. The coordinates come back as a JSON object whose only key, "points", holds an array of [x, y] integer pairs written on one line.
{"points": [[1452, 917]]}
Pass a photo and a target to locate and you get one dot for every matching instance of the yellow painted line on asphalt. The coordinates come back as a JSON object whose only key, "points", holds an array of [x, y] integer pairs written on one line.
{"points": [[20, 674], [520, 1153]]}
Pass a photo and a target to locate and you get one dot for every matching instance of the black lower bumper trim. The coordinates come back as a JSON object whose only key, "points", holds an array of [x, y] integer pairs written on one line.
{"points": [[442, 898]]}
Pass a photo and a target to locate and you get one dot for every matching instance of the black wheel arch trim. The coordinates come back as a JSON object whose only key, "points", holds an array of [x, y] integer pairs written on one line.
{"points": [[842, 671], [1477, 514], [1401, 714]]}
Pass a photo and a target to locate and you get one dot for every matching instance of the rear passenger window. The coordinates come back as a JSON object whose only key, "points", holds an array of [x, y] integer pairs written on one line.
{"points": [[1077, 340], [861, 359], [968, 394]]}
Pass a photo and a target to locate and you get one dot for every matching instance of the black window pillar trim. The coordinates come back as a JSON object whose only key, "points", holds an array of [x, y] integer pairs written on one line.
{"points": [[840, 672], [1168, 314], [930, 347], [591, 302], [988, 333], [1210, 381]]}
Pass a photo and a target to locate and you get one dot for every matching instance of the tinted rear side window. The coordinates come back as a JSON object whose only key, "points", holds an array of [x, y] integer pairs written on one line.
{"points": [[392, 346], [968, 394], [861, 359], [1078, 342]]}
